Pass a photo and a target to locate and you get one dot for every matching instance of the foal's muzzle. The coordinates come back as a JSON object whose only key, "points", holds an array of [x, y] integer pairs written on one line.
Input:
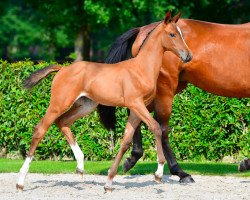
{"points": [[185, 57]]}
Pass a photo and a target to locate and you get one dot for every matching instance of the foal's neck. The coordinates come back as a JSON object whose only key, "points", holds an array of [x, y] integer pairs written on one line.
{"points": [[151, 53]]}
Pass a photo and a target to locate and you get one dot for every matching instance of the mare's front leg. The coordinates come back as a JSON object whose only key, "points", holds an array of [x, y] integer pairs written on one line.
{"points": [[163, 109], [132, 123]]}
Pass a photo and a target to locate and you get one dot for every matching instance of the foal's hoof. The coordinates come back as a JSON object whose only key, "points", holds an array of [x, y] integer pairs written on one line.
{"points": [[80, 172], [158, 179], [187, 179], [19, 188], [107, 189]]}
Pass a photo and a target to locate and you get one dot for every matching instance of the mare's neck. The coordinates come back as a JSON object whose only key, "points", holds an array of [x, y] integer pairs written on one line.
{"points": [[151, 53]]}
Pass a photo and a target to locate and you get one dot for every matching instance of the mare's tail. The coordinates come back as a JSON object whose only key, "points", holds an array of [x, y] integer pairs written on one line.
{"points": [[38, 75], [119, 51]]}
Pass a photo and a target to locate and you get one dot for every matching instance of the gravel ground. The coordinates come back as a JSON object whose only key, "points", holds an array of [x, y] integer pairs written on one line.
{"points": [[71, 186]]}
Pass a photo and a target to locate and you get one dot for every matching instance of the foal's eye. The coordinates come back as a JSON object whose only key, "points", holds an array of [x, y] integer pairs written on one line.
{"points": [[171, 34]]}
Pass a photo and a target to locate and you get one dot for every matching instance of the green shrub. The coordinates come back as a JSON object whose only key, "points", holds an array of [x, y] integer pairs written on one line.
{"points": [[203, 125]]}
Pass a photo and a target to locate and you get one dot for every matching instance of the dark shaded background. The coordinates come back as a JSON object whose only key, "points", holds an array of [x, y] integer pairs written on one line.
{"points": [[58, 30]]}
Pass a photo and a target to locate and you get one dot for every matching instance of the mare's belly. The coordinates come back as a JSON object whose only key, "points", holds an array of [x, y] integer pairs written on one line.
{"points": [[229, 82]]}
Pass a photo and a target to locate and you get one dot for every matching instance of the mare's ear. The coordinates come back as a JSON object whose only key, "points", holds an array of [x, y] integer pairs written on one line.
{"points": [[176, 17], [168, 17]]}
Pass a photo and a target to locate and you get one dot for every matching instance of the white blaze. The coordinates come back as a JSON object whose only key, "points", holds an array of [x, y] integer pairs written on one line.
{"points": [[179, 30]]}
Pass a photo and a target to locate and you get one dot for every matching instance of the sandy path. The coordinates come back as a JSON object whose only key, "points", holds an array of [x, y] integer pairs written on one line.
{"points": [[71, 186]]}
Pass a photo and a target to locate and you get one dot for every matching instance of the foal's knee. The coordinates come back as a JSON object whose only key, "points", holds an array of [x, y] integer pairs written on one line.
{"points": [[156, 129]]}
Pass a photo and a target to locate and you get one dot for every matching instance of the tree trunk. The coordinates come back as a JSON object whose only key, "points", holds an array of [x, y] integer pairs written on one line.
{"points": [[83, 44], [6, 54]]}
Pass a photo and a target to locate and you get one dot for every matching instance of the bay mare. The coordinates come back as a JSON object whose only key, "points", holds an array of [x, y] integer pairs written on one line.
{"points": [[220, 65], [78, 88]]}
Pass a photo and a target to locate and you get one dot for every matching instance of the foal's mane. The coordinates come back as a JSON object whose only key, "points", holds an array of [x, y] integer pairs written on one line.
{"points": [[145, 39]]}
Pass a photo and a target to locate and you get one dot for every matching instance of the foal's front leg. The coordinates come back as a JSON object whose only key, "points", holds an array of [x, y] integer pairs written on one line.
{"points": [[132, 123], [141, 111], [137, 151]]}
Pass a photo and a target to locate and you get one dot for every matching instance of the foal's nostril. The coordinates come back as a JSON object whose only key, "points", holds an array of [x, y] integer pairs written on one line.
{"points": [[188, 58]]}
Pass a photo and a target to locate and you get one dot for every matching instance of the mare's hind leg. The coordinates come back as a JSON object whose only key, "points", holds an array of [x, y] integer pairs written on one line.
{"points": [[244, 165], [81, 107]]}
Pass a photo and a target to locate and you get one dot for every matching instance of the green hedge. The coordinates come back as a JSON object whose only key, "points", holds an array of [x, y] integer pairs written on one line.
{"points": [[203, 125]]}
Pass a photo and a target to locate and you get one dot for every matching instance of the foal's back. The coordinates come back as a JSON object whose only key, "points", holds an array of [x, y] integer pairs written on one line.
{"points": [[106, 83]]}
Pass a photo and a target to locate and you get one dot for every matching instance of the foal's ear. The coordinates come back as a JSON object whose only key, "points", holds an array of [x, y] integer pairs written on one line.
{"points": [[176, 17], [168, 17]]}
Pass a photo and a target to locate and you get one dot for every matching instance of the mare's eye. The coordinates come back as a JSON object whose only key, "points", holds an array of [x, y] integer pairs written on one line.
{"points": [[171, 34]]}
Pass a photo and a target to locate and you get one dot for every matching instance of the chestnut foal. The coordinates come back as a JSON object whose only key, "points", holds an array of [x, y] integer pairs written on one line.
{"points": [[131, 83]]}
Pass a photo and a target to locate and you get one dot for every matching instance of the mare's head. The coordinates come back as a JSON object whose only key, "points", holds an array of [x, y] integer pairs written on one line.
{"points": [[172, 39]]}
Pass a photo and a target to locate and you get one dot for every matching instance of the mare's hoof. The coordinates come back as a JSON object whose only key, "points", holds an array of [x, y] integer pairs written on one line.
{"points": [[80, 172], [244, 165], [107, 189], [126, 165], [158, 179], [187, 179], [19, 188]]}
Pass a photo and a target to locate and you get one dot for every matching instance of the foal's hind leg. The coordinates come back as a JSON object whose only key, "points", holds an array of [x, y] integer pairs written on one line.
{"points": [[58, 105], [81, 107], [39, 132]]}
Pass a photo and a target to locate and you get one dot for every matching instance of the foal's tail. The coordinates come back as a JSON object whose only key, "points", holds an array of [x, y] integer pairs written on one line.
{"points": [[119, 51], [38, 75]]}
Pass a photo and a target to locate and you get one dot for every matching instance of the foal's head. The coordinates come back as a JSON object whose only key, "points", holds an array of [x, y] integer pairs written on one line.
{"points": [[172, 38]]}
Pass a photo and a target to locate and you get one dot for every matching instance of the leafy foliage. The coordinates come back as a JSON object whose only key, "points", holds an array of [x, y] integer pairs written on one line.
{"points": [[203, 125], [48, 30]]}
